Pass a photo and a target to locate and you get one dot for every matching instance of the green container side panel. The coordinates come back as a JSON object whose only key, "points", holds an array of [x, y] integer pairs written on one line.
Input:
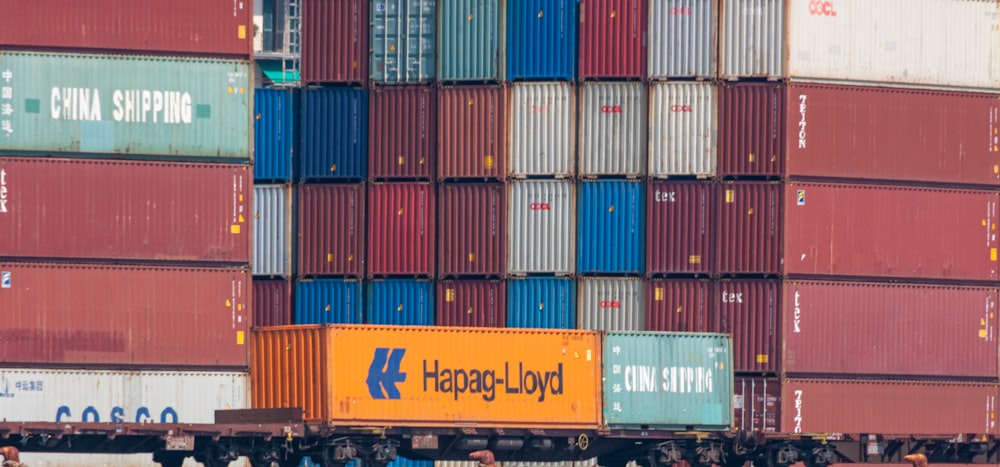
{"points": [[402, 41], [471, 40]]}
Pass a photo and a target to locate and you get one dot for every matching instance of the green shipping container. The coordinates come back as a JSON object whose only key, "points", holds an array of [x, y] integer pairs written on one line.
{"points": [[148, 107], [668, 380], [471, 40]]}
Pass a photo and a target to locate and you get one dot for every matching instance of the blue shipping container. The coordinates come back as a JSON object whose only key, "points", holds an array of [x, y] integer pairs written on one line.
{"points": [[322, 301], [541, 302], [334, 134], [542, 39], [274, 133], [612, 226], [404, 302]]}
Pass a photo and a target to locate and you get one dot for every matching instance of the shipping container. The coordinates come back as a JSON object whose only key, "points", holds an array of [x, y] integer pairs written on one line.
{"points": [[749, 310], [472, 132], [472, 230], [85, 314], [90, 459], [335, 41], [542, 39], [334, 134], [402, 133], [751, 38], [681, 227], [127, 106], [682, 39], [276, 116], [472, 303], [684, 129], [612, 304], [331, 229], [404, 302], [612, 39], [272, 302], [401, 224], [542, 131], [611, 227], [750, 228], [751, 142], [322, 301], [679, 305], [582, 463], [549, 379], [471, 40], [541, 223], [613, 129], [541, 302], [757, 404], [273, 247], [402, 41], [86, 209]]}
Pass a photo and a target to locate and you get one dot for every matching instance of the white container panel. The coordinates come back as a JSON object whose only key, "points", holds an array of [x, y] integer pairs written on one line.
{"points": [[612, 304], [48, 459], [751, 38], [541, 227], [613, 129], [682, 39], [683, 133], [272, 230], [584, 463], [542, 130]]}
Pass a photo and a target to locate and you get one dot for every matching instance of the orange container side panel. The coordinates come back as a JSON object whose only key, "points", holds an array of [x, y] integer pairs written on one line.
{"points": [[288, 368]]}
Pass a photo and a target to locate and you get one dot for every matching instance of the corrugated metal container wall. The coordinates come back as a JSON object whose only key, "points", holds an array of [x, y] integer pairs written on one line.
{"points": [[673, 381], [405, 302], [584, 463], [542, 131], [751, 38], [541, 302], [757, 404], [89, 459], [749, 310], [612, 304], [334, 134], [684, 130], [402, 133], [750, 229], [681, 227], [611, 227], [401, 224], [472, 132], [321, 301], [472, 230], [276, 114], [613, 129], [272, 302], [331, 230], [272, 230], [542, 39], [198, 109], [402, 41], [82, 314], [878, 329], [680, 305], [474, 303], [541, 223], [471, 40], [124, 211], [335, 41], [682, 39], [751, 122], [612, 39]]}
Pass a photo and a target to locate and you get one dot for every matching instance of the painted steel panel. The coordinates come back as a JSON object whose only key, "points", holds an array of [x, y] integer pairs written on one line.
{"points": [[613, 129], [612, 304], [472, 303], [334, 134], [611, 227], [681, 227], [472, 132], [58, 459], [471, 40], [331, 229], [757, 404], [584, 463], [561, 369], [335, 41], [276, 116], [127, 106], [751, 140], [404, 302], [272, 230], [402, 136], [678, 381], [750, 311], [683, 38], [541, 302], [272, 302], [85, 209], [402, 41], [321, 301], [542, 39], [80, 314], [612, 39], [541, 223], [472, 230], [751, 38], [750, 228], [679, 305], [401, 225], [684, 129], [542, 130]]}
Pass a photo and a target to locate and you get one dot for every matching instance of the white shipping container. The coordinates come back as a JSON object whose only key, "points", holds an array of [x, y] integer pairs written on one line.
{"points": [[682, 39], [542, 130], [48, 459], [541, 226], [613, 128], [612, 304], [584, 463], [272, 230], [683, 133]]}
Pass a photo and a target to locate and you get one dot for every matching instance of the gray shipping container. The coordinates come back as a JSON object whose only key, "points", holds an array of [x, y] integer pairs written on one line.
{"points": [[751, 38], [682, 39], [541, 227], [402, 41], [542, 130], [683, 133], [471, 40], [612, 304], [272, 230], [613, 128]]}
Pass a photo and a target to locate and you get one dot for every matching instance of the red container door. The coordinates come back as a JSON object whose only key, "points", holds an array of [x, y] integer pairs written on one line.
{"points": [[612, 39], [331, 230], [401, 230], [682, 305], [751, 126], [472, 133], [473, 303], [748, 309], [749, 240], [335, 41], [473, 230], [757, 404], [680, 227], [272, 302], [402, 133]]}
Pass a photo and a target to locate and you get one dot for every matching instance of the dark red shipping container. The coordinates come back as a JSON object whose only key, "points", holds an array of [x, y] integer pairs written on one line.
{"points": [[217, 28], [749, 239], [402, 133], [680, 227], [472, 303], [472, 132], [612, 39], [751, 142], [401, 222], [335, 41], [472, 229], [681, 305], [123, 316], [331, 230], [749, 310], [79, 209], [272, 302], [756, 404]]}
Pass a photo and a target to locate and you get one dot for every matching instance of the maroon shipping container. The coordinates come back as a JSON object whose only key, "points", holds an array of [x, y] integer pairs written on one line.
{"points": [[335, 41], [401, 229], [331, 230], [756, 404], [123, 316], [472, 132], [881, 329], [680, 227], [472, 303], [748, 309], [217, 28], [272, 302], [682, 305], [402, 133], [612, 39], [124, 211], [472, 230], [750, 130], [749, 239]]}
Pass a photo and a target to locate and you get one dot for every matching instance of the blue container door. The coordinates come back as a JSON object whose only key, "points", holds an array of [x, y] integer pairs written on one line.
{"points": [[612, 226], [404, 302], [334, 134], [328, 301], [541, 302], [541, 39], [275, 116]]}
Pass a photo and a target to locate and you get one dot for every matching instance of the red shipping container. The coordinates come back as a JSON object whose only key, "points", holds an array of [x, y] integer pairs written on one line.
{"points": [[148, 26], [682, 305], [402, 133], [749, 239], [331, 228], [756, 404], [123, 316], [272, 302], [882, 329], [612, 39], [472, 303], [335, 41], [472, 238], [84, 209], [748, 309], [472, 132], [401, 229], [680, 227], [751, 142]]}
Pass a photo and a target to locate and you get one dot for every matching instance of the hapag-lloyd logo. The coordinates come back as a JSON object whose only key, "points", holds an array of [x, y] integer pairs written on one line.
{"points": [[821, 8], [3, 191]]}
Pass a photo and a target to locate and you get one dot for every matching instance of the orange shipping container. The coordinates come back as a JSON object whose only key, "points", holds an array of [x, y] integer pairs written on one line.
{"points": [[427, 376]]}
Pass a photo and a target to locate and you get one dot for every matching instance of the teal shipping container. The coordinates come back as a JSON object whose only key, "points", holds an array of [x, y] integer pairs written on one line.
{"points": [[122, 105], [668, 380], [471, 40], [402, 41]]}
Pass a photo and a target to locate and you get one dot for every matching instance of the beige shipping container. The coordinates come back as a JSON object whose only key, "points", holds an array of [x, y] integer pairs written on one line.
{"points": [[542, 130], [683, 131], [612, 128], [541, 227]]}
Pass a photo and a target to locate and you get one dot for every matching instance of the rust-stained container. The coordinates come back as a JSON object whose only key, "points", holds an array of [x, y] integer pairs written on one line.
{"points": [[331, 230], [402, 133], [749, 238], [472, 132], [400, 229], [683, 305], [335, 41], [402, 375], [612, 39], [472, 230], [749, 310], [474, 303], [272, 302], [125, 316], [751, 142], [84, 209], [680, 227], [757, 404]]}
